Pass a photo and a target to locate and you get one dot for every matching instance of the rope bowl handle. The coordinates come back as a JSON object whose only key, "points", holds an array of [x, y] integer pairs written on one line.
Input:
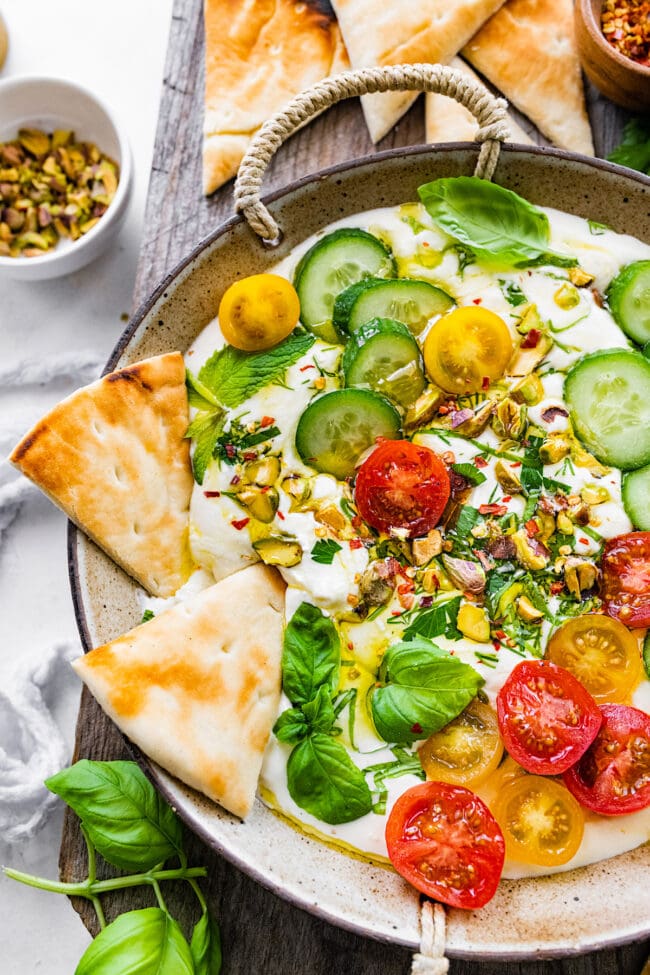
{"points": [[489, 112]]}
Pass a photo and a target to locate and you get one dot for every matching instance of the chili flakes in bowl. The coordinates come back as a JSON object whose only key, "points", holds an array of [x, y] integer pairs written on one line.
{"points": [[626, 26]]}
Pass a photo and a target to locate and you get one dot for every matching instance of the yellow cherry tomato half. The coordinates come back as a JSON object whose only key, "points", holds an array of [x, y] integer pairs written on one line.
{"points": [[466, 750], [541, 821], [467, 349], [602, 653], [258, 312]]}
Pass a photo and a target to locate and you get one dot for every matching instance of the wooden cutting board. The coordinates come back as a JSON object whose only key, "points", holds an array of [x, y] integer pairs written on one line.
{"points": [[260, 932]]}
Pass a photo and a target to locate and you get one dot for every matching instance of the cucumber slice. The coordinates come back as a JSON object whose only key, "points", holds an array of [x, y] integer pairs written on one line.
{"points": [[333, 263], [336, 428], [383, 355], [608, 395], [629, 300], [403, 300], [636, 497]]}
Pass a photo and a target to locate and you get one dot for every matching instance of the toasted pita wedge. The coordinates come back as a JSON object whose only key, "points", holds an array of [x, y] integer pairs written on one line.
{"points": [[528, 51], [258, 55], [448, 121], [114, 457], [198, 687], [404, 32]]}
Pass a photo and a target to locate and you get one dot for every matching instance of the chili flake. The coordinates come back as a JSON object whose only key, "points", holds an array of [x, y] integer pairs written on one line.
{"points": [[626, 26], [241, 523]]}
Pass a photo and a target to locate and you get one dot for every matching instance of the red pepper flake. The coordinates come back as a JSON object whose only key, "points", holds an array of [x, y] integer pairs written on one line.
{"points": [[496, 644], [267, 421], [476, 301], [230, 450], [556, 587], [583, 540], [506, 499], [250, 455], [265, 489], [304, 368], [480, 461], [492, 509], [425, 243], [501, 635], [236, 479], [406, 587], [212, 494], [416, 728], [350, 645], [396, 612], [356, 543], [531, 339], [485, 382], [532, 528], [240, 524], [626, 26], [517, 463], [280, 516]]}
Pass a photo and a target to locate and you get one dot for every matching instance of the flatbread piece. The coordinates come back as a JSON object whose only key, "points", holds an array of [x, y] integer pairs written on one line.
{"points": [[404, 32], [258, 55], [114, 458], [197, 688], [528, 51], [446, 120]]}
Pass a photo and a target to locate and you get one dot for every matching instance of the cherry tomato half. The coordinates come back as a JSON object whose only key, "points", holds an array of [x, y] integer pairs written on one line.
{"points": [[613, 776], [445, 841], [601, 653], [258, 312], [402, 485], [466, 750], [626, 578], [541, 821], [465, 348], [546, 717]]}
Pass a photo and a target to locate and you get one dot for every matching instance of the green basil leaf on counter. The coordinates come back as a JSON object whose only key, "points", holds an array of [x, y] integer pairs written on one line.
{"points": [[205, 429], [146, 942], [493, 221], [323, 780], [425, 689], [311, 654], [206, 946], [232, 376], [291, 727], [126, 820]]}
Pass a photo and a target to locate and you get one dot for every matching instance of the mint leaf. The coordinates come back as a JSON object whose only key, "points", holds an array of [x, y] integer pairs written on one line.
{"points": [[469, 472], [324, 551], [634, 150], [323, 780], [232, 376], [148, 942], [311, 654], [198, 395], [205, 429]]}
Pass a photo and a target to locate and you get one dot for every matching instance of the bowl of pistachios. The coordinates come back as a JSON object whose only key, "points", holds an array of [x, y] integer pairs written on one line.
{"points": [[65, 177]]}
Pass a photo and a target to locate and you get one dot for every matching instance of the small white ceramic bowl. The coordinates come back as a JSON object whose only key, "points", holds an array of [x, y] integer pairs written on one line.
{"points": [[52, 103]]}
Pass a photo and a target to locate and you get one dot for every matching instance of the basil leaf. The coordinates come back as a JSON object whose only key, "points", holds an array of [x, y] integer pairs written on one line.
{"points": [[206, 946], [291, 727], [323, 780], [634, 150], [470, 473], [205, 429], [324, 551], [128, 823], [493, 221], [426, 689], [438, 621], [146, 942], [319, 712], [232, 376], [311, 654]]}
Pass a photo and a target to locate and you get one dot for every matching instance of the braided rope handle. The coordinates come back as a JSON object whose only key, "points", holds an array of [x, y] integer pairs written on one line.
{"points": [[430, 959], [489, 112]]}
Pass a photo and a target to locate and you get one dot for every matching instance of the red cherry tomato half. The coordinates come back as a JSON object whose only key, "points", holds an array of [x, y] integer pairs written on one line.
{"points": [[626, 578], [546, 717], [402, 485], [613, 776], [445, 841]]}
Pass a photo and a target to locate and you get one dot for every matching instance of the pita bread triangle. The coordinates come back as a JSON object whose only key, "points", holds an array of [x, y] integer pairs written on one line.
{"points": [[197, 688], [258, 55], [404, 32], [114, 458], [528, 51]]}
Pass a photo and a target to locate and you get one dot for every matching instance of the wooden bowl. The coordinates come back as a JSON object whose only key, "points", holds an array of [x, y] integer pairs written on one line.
{"points": [[619, 78]]}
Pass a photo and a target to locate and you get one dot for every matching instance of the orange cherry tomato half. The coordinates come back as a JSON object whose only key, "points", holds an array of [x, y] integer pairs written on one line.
{"points": [[601, 653], [626, 578], [445, 841], [402, 485], [546, 717], [541, 821], [258, 312], [467, 348], [613, 776]]}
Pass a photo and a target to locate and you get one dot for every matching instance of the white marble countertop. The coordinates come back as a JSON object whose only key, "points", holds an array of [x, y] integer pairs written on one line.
{"points": [[118, 52]]}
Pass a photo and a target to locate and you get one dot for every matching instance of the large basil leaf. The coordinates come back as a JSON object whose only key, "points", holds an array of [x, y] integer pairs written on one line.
{"points": [[206, 946], [311, 654], [426, 688], [493, 221], [323, 780], [147, 942], [129, 824]]}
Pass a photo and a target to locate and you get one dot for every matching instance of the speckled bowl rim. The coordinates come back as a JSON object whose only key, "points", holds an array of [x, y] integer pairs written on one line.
{"points": [[183, 800]]}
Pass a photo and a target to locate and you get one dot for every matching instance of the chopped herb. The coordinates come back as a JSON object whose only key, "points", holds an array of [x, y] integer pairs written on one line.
{"points": [[597, 229], [440, 620], [466, 520], [489, 659], [469, 472], [147, 615], [324, 551], [512, 293]]}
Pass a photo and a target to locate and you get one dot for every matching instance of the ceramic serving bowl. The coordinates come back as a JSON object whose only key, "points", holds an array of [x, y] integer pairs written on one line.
{"points": [[49, 104], [522, 919], [619, 78]]}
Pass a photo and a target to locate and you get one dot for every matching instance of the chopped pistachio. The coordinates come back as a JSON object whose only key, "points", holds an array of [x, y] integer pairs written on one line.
{"points": [[279, 551], [262, 504], [509, 419], [424, 549], [594, 494], [531, 558], [473, 622], [37, 143], [579, 277], [554, 449], [527, 358], [465, 574], [262, 472], [424, 409], [566, 297], [332, 517], [580, 575], [528, 390], [507, 478], [527, 612]]}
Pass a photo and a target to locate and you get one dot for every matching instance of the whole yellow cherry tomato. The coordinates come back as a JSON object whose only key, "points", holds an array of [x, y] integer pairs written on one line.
{"points": [[467, 349], [541, 821], [602, 653], [258, 312]]}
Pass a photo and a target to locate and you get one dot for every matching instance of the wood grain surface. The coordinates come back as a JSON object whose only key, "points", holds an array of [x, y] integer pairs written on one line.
{"points": [[260, 932]]}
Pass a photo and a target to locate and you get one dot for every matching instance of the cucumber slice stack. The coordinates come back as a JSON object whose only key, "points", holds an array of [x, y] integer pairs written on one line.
{"points": [[383, 355], [412, 302]]}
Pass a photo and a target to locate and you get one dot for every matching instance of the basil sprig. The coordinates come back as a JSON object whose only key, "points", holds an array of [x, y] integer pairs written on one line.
{"points": [[494, 222], [125, 820], [423, 689], [321, 777]]}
